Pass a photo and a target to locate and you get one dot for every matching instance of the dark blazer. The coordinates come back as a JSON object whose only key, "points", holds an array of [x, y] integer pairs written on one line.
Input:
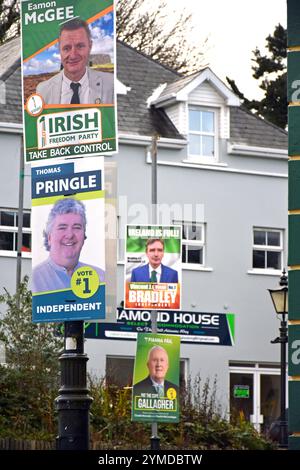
{"points": [[145, 386], [141, 274]]}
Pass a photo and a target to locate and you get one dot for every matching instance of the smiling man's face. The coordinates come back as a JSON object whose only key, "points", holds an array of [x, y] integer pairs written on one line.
{"points": [[66, 240], [75, 47], [158, 365]]}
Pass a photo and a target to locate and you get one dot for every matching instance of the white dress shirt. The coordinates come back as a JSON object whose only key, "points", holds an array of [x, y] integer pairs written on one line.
{"points": [[67, 92], [157, 270]]}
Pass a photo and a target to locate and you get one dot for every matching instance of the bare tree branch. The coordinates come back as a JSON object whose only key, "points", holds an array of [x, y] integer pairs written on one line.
{"points": [[162, 36]]}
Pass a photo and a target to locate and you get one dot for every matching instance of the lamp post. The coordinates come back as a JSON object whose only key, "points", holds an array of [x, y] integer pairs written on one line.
{"points": [[280, 302]]}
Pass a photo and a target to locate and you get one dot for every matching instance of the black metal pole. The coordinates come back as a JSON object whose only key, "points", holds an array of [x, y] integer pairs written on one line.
{"points": [[20, 222], [73, 402], [154, 440], [283, 420]]}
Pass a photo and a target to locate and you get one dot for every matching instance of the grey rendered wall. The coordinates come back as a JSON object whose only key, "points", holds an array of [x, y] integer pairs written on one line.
{"points": [[9, 196], [234, 202]]}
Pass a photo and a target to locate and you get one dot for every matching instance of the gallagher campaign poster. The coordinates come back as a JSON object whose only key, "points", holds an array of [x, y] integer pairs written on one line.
{"points": [[68, 241], [155, 392], [68, 70], [153, 267]]}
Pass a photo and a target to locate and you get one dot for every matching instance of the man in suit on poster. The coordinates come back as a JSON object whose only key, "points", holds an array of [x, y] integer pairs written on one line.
{"points": [[154, 271], [77, 83], [155, 382]]}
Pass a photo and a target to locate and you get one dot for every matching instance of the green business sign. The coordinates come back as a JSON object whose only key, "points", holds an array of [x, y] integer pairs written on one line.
{"points": [[241, 391]]}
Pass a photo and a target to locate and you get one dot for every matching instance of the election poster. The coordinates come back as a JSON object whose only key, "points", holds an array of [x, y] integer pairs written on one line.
{"points": [[155, 392], [68, 241], [153, 267], [68, 76]]}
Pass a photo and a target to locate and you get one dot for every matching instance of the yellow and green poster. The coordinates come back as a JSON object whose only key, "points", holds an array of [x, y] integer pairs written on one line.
{"points": [[68, 69], [155, 393]]}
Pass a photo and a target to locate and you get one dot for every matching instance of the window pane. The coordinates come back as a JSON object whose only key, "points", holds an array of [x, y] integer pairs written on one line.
{"points": [[258, 259], [273, 260], [194, 144], [259, 237], [26, 220], [207, 121], [208, 149], [7, 218], [119, 371], [195, 254], [26, 245], [273, 238], [185, 231], [6, 241], [194, 120], [183, 258], [195, 232]]}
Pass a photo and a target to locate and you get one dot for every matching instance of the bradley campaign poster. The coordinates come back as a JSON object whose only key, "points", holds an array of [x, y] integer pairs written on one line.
{"points": [[68, 241], [68, 69], [155, 393], [153, 267]]}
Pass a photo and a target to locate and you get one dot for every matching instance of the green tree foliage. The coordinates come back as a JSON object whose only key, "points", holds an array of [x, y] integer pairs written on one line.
{"points": [[270, 69], [202, 424], [29, 381], [160, 34], [9, 19]]}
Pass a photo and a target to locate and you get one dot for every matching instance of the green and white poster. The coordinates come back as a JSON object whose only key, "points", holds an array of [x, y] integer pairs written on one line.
{"points": [[68, 69], [153, 267], [155, 393]]}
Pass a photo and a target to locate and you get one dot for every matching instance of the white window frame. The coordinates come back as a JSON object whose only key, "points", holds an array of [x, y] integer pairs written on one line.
{"points": [[198, 158], [268, 248], [14, 229], [196, 243], [256, 370]]}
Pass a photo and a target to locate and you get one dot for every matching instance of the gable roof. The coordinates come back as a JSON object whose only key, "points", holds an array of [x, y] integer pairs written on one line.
{"points": [[248, 129], [180, 89], [141, 77], [10, 87]]}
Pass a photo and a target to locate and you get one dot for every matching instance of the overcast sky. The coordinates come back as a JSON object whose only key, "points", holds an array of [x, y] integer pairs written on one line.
{"points": [[234, 28]]}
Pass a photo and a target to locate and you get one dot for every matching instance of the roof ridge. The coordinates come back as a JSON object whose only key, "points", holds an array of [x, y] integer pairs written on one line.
{"points": [[155, 61]]}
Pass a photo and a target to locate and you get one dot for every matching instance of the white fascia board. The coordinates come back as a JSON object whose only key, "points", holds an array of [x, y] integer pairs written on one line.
{"points": [[11, 127], [155, 95], [206, 75], [121, 89], [144, 140], [252, 151]]}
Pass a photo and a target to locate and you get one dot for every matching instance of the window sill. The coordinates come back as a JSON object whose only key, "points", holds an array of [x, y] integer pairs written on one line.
{"points": [[196, 267], [13, 254], [204, 162], [265, 272]]}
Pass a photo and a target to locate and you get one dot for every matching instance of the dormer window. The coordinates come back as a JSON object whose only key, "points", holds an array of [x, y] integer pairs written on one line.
{"points": [[202, 133]]}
